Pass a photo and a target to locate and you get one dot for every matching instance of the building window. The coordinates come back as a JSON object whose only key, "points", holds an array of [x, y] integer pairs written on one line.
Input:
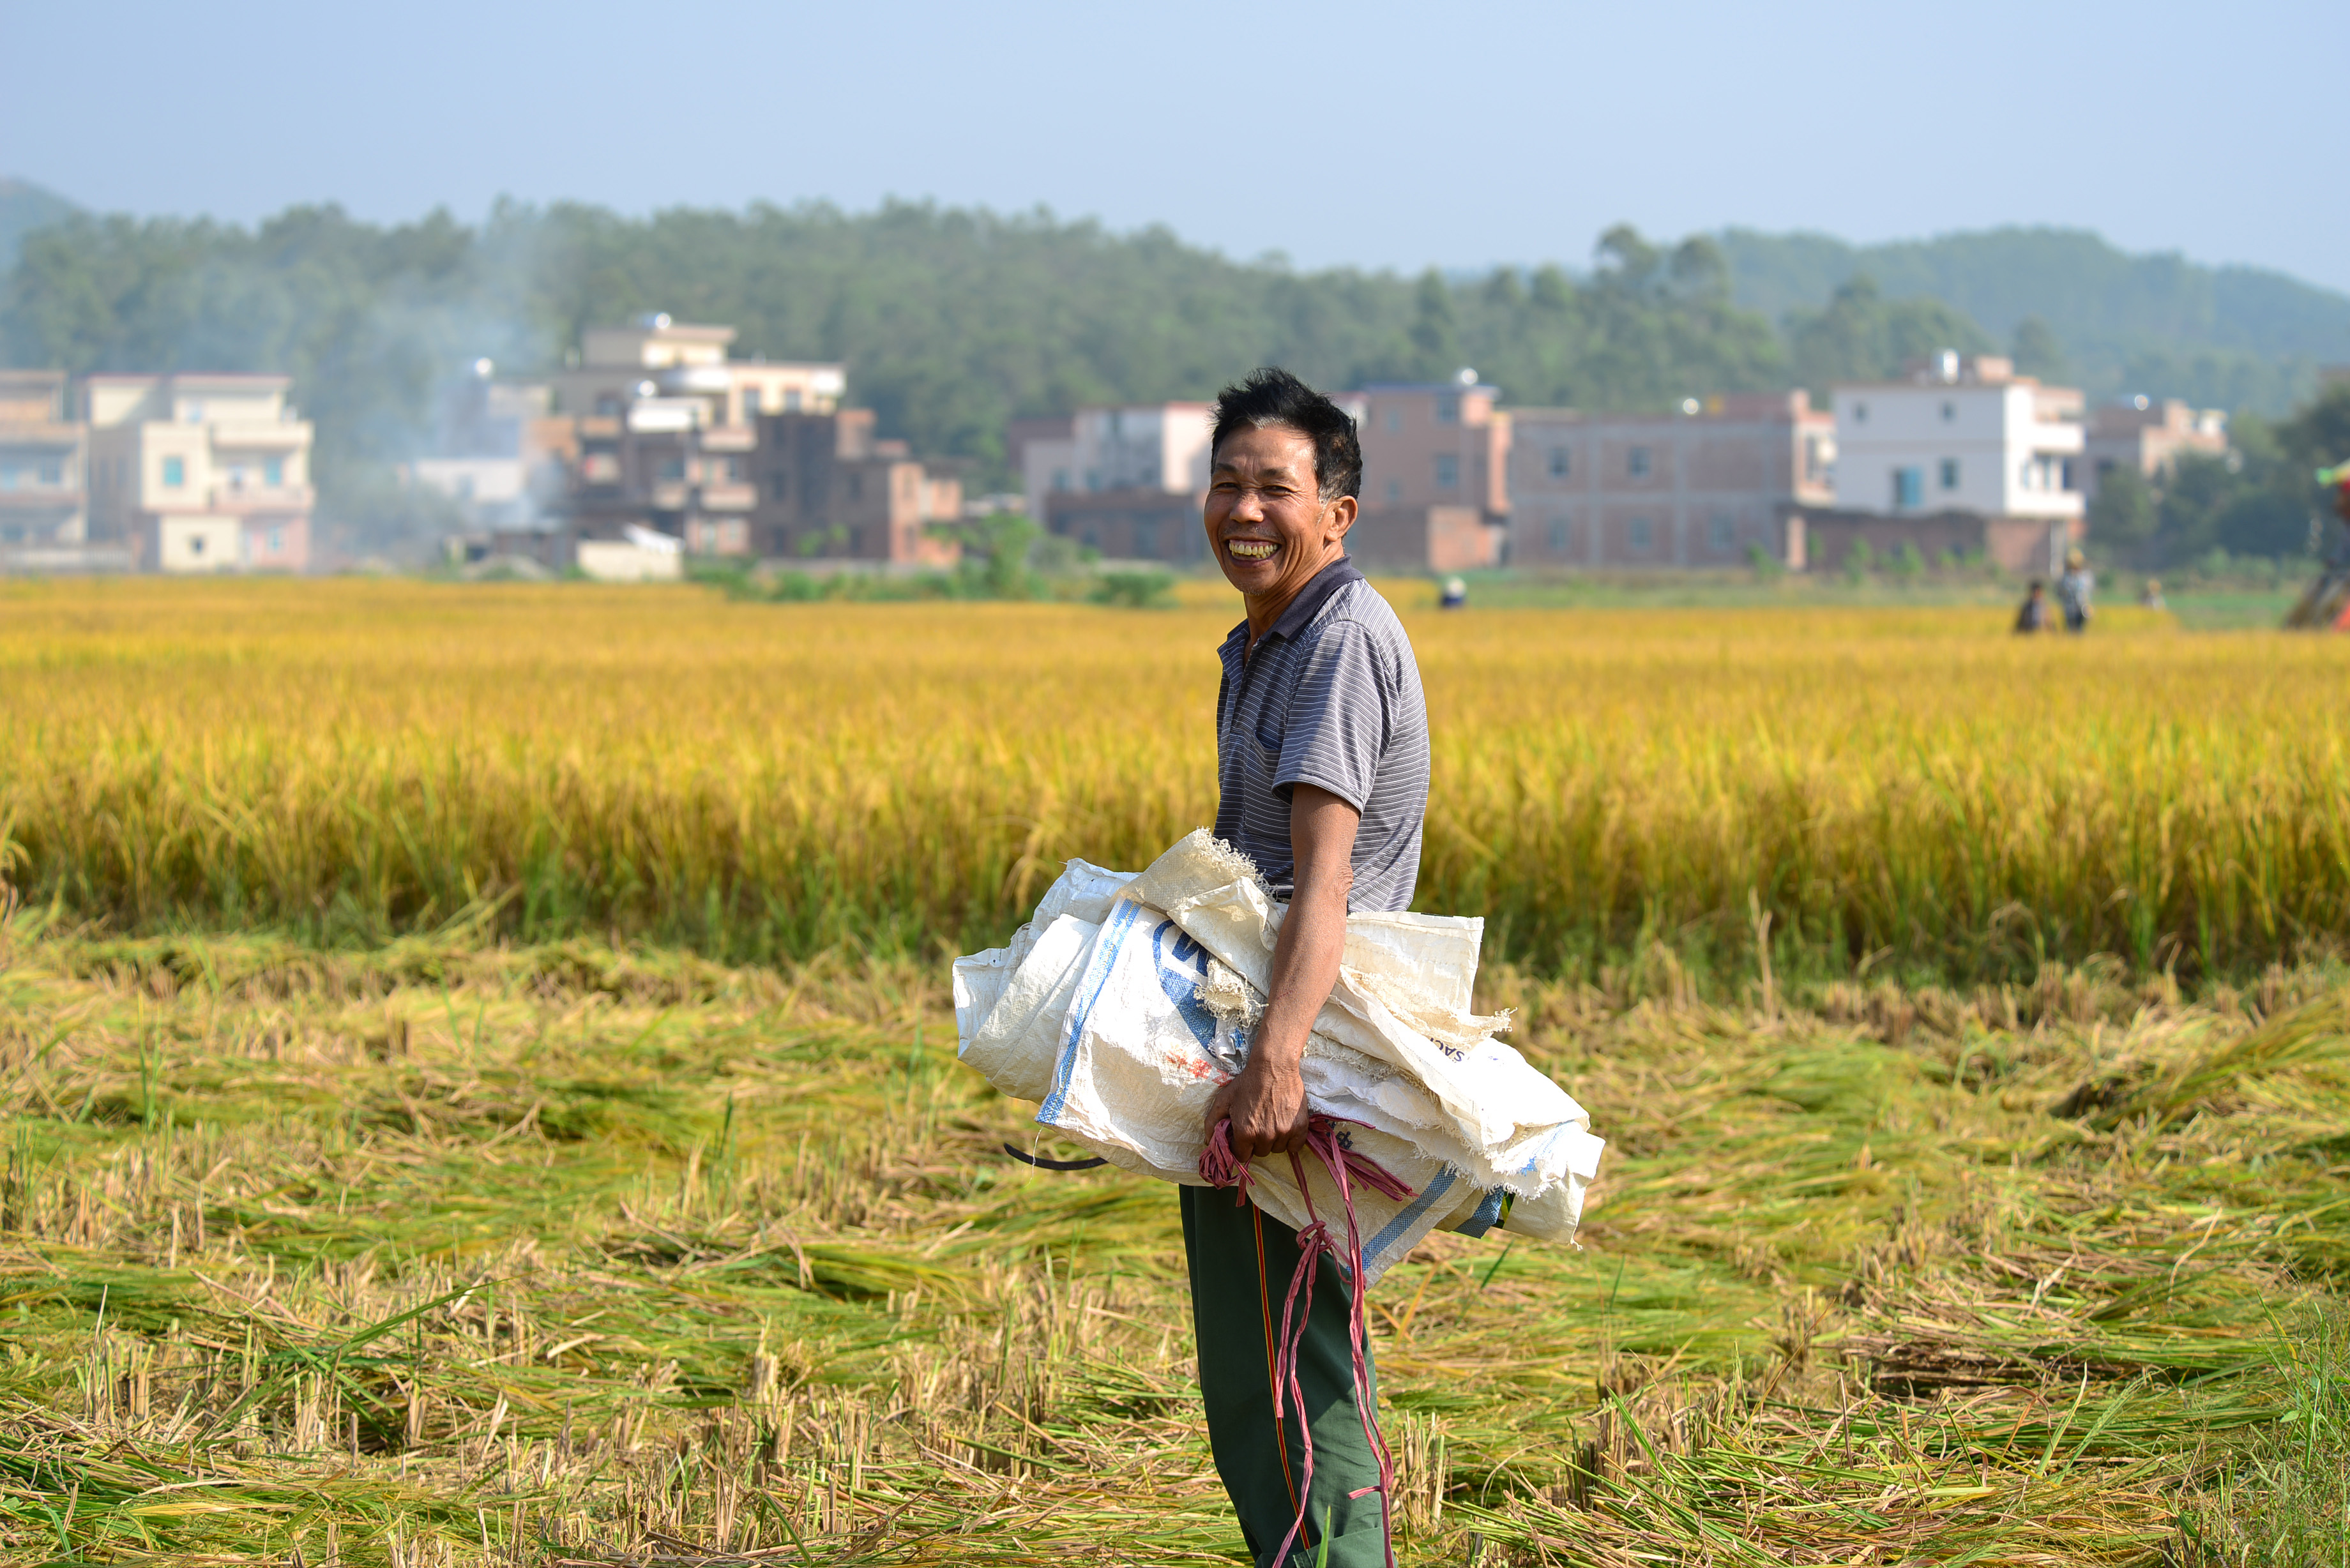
{"points": [[276, 541], [1145, 539], [1558, 463], [608, 405], [1558, 536], [195, 544], [1908, 489], [1950, 474], [273, 471], [750, 404], [1448, 471], [1395, 489], [1448, 410], [192, 413], [779, 484], [1718, 534], [791, 399], [2064, 474], [673, 469], [1639, 535], [53, 471], [1637, 463], [1949, 413], [1860, 413], [175, 471]]}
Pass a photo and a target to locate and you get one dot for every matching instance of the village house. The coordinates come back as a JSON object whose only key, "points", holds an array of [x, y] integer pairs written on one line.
{"points": [[200, 473], [1703, 487]]}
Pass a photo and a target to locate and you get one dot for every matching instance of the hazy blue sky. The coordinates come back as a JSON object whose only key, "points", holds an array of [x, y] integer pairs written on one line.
{"points": [[1373, 133]]}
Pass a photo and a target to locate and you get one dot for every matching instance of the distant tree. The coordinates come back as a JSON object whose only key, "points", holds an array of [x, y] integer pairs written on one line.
{"points": [[2123, 517], [1435, 337], [1864, 336], [2036, 352]]}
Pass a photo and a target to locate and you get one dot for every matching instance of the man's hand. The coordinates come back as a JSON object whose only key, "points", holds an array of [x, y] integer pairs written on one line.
{"points": [[1266, 1103]]}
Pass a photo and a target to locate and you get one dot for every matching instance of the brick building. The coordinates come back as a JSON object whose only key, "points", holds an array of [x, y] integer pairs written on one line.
{"points": [[44, 477], [1701, 488], [2147, 435], [1436, 481]]}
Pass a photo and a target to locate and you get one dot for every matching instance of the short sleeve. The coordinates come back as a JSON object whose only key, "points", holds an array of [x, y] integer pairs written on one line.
{"points": [[1336, 726]]}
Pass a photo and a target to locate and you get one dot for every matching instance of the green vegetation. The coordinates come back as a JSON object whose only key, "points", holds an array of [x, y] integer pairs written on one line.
{"points": [[459, 1254], [2258, 500], [2231, 337], [955, 322]]}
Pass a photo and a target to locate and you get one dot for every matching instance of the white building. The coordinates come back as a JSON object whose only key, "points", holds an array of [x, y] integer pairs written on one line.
{"points": [[200, 473], [1961, 435], [658, 357], [1152, 450]]}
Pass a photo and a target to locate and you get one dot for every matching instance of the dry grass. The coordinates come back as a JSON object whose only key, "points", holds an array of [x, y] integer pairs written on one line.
{"points": [[449, 1252], [1905, 790]]}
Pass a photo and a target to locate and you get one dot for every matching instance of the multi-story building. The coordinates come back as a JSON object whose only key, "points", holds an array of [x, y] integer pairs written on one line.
{"points": [[1128, 482], [43, 475], [2146, 435], [1961, 434], [1704, 487], [739, 457], [1436, 482], [659, 358], [198, 473], [826, 489]]}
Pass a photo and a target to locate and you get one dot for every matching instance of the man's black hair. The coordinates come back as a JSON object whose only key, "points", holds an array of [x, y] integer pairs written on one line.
{"points": [[1272, 396]]}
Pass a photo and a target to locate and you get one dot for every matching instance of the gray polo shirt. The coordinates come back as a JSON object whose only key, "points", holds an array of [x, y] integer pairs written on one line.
{"points": [[1330, 697]]}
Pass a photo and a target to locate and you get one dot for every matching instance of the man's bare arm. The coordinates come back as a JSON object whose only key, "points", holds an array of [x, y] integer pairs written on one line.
{"points": [[1267, 1102]]}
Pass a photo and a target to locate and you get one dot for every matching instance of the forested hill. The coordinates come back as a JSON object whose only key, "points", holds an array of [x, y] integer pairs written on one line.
{"points": [[954, 322], [2229, 337], [23, 207]]}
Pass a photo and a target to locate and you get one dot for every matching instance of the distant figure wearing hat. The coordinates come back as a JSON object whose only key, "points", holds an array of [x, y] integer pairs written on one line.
{"points": [[2073, 591], [2033, 614], [1455, 595], [2150, 597]]}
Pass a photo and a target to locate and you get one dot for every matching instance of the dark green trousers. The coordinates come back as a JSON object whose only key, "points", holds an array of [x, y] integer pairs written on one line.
{"points": [[1242, 1260]]}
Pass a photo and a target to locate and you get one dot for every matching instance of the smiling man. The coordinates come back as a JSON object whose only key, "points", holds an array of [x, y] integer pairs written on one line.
{"points": [[1322, 778]]}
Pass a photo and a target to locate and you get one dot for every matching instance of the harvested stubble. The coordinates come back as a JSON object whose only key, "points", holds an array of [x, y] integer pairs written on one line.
{"points": [[458, 1253], [1904, 788]]}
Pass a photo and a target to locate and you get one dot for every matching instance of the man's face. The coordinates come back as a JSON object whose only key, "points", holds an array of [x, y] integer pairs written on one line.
{"points": [[1267, 523]]}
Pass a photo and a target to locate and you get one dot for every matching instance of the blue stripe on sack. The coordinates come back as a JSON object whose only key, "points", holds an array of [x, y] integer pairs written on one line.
{"points": [[1407, 1216], [1098, 965], [1487, 1215]]}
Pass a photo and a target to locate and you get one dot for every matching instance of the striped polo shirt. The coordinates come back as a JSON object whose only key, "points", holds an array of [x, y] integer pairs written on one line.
{"points": [[1330, 697]]}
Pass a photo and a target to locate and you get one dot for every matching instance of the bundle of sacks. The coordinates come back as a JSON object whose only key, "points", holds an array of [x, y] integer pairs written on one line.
{"points": [[1127, 999]]}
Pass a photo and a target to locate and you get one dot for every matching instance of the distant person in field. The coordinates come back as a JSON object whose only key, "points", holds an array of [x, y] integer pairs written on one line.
{"points": [[2034, 614], [2149, 596], [2073, 591], [1322, 779]]}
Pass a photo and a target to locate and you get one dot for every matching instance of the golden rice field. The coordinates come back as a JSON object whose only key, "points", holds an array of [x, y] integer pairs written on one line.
{"points": [[1904, 790], [476, 1087]]}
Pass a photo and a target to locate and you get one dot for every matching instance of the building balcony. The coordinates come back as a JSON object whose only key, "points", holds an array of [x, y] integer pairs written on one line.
{"points": [[729, 495], [670, 495], [263, 498], [267, 435], [46, 497], [599, 427], [730, 438]]}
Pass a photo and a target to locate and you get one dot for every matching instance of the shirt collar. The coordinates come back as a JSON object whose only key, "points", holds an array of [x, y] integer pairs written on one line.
{"points": [[1304, 607]]}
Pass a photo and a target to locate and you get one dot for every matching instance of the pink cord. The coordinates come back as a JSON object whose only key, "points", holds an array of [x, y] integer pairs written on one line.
{"points": [[1221, 1167]]}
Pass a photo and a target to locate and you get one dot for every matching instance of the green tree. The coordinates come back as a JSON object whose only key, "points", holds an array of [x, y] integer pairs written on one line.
{"points": [[2124, 515], [2036, 352], [1862, 335]]}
